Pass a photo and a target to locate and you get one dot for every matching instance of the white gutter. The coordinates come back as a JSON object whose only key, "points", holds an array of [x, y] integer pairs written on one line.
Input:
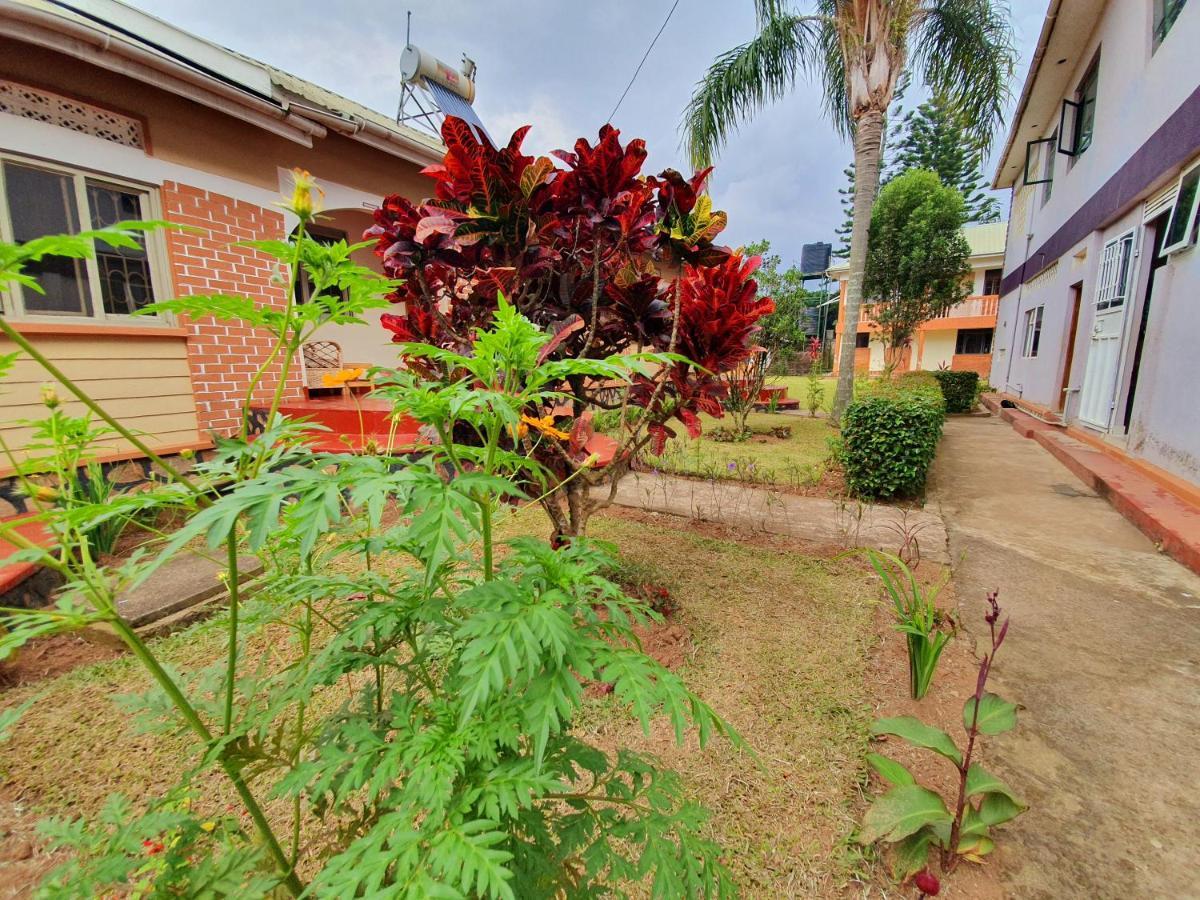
{"points": [[1027, 90], [103, 49]]}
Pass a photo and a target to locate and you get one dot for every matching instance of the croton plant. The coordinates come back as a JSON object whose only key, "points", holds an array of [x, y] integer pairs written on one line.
{"points": [[608, 259]]}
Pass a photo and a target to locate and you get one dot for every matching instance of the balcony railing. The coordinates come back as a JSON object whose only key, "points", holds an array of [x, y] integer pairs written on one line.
{"points": [[975, 305]]}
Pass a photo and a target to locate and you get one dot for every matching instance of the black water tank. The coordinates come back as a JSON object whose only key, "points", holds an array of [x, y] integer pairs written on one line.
{"points": [[814, 258]]}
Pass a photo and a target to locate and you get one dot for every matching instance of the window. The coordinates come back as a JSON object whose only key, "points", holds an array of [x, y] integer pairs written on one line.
{"points": [[862, 340], [1114, 273], [1033, 331], [1165, 14], [37, 200], [1048, 168], [991, 281], [1085, 111], [1181, 226], [975, 341]]}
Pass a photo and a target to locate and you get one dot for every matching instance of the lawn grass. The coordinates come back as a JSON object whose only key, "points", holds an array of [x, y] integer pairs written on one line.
{"points": [[797, 461], [781, 644], [797, 389]]}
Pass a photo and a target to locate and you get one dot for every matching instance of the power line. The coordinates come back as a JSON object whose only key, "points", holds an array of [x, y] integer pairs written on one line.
{"points": [[645, 56]]}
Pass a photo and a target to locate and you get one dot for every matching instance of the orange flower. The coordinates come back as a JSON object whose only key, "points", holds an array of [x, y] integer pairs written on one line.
{"points": [[338, 379], [546, 426]]}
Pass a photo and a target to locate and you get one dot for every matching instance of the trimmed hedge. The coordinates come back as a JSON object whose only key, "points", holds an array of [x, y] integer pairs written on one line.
{"points": [[959, 388], [890, 435]]}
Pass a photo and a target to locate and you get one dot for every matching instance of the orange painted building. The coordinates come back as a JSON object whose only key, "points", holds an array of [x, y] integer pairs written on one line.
{"points": [[961, 339]]}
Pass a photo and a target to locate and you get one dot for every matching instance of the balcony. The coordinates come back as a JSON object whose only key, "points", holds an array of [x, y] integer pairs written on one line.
{"points": [[976, 307]]}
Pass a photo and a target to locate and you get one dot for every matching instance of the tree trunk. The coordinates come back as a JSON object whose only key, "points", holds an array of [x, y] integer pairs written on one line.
{"points": [[868, 148]]}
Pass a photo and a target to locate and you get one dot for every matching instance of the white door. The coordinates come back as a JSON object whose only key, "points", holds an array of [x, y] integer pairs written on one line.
{"points": [[1099, 393]]}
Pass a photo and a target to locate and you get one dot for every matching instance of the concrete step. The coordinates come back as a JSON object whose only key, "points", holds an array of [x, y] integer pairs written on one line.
{"points": [[183, 590]]}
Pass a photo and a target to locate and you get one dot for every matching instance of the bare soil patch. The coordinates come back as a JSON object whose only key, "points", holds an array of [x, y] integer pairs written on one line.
{"points": [[50, 657]]}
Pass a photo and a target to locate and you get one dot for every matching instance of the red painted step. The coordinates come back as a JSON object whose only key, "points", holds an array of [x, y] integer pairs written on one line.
{"points": [[31, 529]]}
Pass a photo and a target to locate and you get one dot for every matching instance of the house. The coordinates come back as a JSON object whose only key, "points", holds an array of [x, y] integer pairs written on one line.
{"points": [[107, 113], [1098, 310], [961, 339]]}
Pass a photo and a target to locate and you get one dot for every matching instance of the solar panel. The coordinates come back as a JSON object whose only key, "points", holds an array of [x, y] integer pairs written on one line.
{"points": [[453, 105]]}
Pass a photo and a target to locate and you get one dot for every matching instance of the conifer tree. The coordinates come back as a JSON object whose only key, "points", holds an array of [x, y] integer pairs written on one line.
{"points": [[936, 137]]}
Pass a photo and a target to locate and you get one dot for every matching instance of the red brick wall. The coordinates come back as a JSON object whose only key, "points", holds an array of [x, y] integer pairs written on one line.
{"points": [[225, 355]]}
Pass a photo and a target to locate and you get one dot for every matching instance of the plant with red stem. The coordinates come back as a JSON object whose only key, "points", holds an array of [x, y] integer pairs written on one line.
{"points": [[914, 818]]}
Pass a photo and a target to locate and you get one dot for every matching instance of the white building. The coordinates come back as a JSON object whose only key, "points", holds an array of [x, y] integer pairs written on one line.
{"points": [[1100, 301]]}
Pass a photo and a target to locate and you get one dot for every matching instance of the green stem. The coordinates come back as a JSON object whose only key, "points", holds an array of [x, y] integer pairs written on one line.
{"points": [[19, 339], [146, 658], [232, 652]]}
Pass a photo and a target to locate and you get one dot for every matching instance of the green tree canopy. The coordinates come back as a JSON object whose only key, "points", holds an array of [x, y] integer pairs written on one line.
{"points": [[917, 261], [783, 330]]}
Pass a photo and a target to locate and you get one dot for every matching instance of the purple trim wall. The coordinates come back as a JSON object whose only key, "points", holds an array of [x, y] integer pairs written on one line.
{"points": [[1170, 146]]}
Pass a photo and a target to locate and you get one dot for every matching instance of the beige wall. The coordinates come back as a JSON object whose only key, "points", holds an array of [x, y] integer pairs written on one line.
{"points": [[938, 349], [143, 381], [369, 343]]}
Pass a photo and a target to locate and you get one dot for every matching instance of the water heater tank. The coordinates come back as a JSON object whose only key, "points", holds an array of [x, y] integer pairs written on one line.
{"points": [[417, 66]]}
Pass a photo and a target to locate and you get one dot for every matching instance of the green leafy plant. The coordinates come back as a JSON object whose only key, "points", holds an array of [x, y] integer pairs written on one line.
{"points": [[961, 389], [917, 617], [916, 819], [417, 735], [59, 466], [815, 398], [889, 437]]}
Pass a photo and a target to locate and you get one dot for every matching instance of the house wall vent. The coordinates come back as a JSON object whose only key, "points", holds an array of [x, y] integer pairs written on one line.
{"points": [[1161, 203], [54, 109]]}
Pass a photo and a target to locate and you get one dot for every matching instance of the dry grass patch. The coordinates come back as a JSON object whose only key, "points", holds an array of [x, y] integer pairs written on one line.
{"points": [[782, 642]]}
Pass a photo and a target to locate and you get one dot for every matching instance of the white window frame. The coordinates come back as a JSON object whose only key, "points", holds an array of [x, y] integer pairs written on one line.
{"points": [[1033, 325], [12, 303], [1190, 229]]}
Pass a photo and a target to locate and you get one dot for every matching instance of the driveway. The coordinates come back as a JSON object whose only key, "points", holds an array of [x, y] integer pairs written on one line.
{"points": [[1104, 656]]}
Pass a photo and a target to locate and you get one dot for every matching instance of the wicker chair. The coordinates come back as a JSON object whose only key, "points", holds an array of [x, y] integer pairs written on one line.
{"points": [[320, 358]]}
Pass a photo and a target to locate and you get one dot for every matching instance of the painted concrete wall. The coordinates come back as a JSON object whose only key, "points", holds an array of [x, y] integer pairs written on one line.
{"points": [[939, 349], [1165, 424], [1138, 89]]}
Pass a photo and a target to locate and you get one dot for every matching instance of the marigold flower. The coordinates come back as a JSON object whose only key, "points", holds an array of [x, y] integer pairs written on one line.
{"points": [[546, 426], [307, 197], [339, 379]]}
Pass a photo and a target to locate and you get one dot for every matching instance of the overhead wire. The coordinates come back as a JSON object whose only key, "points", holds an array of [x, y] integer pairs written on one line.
{"points": [[645, 56]]}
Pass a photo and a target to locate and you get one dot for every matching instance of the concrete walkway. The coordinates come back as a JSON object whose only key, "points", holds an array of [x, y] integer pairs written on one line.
{"points": [[817, 519], [1104, 656]]}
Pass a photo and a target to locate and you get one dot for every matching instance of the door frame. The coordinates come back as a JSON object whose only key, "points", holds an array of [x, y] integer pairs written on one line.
{"points": [[1064, 381], [1133, 278]]}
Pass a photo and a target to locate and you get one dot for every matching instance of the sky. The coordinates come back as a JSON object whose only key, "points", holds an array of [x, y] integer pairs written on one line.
{"points": [[561, 65]]}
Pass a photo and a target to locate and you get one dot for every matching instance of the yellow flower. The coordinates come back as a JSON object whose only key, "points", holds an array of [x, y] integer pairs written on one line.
{"points": [[546, 426], [307, 197], [338, 379], [208, 826], [50, 396]]}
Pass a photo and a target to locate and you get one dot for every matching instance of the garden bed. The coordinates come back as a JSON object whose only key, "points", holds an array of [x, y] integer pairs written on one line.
{"points": [[785, 640]]}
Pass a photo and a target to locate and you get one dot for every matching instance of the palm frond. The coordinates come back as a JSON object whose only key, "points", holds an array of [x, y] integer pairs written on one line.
{"points": [[833, 70], [964, 49], [746, 78]]}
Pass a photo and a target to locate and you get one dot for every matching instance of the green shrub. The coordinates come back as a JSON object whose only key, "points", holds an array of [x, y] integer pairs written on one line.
{"points": [[959, 389], [889, 437]]}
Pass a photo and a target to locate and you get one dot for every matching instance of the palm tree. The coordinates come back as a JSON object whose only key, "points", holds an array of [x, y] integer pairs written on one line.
{"points": [[859, 48]]}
